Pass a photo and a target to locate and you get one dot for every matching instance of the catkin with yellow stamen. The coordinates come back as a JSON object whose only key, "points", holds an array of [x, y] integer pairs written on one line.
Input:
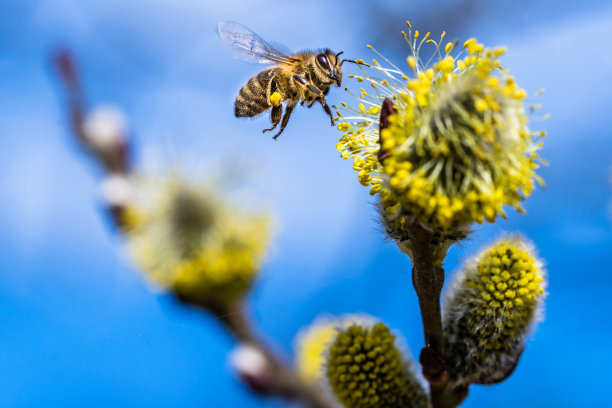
{"points": [[490, 309], [457, 147], [312, 342], [365, 369]]}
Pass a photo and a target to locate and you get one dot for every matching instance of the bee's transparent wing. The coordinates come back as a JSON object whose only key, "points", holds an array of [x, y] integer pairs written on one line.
{"points": [[250, 46]]}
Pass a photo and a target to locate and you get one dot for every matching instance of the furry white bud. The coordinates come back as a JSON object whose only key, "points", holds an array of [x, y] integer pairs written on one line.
{"points": [[116, 190], [252, 366], [105, 128]]}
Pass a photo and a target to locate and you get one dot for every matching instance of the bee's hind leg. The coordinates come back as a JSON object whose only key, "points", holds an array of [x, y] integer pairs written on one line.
{"points": [[277, 112], [288, 110]]}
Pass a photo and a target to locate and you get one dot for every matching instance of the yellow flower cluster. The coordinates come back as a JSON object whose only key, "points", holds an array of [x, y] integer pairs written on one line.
{"points": [[366, 369], [188, 240], [456, 150], [490, 310], [508, 278], [312, 342], [310, 350]]}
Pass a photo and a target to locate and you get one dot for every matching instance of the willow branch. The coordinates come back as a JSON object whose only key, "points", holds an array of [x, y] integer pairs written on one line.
{"points": [[428, 280], [280, 379]]}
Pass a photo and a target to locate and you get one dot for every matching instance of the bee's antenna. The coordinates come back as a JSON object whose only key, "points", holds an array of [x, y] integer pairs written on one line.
{"points": [[359, 62]]}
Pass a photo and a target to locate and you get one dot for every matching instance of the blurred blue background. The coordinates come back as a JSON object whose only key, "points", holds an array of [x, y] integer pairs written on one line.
{"points": [[79, 327]]}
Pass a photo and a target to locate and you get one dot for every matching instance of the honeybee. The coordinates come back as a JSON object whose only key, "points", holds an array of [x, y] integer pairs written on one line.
{"points": [[304, 77]]}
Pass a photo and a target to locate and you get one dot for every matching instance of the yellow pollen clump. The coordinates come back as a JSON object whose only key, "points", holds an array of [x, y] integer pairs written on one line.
{"points": [[275, 99], [411, 62], [343, 126]]}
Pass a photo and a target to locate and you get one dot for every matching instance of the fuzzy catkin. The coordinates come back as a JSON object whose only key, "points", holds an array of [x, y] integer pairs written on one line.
{"points": [[366, 370], [190, 241], [455, 148], [490, 310]]}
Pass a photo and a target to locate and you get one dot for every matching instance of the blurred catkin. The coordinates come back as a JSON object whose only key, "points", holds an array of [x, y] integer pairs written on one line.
{"points": [[190, 240]]}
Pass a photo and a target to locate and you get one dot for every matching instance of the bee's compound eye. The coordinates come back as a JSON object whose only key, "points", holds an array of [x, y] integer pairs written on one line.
{"points": [[322, 58]]}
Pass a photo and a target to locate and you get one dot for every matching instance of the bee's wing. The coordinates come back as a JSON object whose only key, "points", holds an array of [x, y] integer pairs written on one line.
{"points": [[251, 46]]}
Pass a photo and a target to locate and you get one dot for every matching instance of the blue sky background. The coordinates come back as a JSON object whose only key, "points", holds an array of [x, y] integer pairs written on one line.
{"points": [[79, 327]]}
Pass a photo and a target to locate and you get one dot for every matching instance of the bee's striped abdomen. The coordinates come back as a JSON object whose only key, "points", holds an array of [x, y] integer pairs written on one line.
{"points": [[253, 97]]}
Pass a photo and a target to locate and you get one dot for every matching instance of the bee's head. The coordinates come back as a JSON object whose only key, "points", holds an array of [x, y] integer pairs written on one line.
{"points": [[330, 64]]}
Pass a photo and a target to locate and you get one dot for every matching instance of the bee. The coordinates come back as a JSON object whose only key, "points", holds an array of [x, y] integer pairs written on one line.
{"points": [[304, 77]]}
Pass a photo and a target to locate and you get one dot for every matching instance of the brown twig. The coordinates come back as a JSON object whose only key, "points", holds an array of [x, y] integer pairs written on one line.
{"points": [[114, 157], [114, 160], [280, 378], [428, 280]]}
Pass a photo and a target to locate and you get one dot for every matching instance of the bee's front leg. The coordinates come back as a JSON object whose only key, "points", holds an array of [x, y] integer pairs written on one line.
{"points": [[318, 94], [326, 108], [310, 102]]}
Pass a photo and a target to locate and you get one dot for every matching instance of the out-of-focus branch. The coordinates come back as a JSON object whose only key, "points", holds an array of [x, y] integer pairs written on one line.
{"points": [[273, 376], [102, 135], [100, 132]]}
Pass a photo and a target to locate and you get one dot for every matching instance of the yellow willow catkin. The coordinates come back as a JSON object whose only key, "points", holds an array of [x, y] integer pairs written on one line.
{"points": [[189, 240], [457, 148], [366, 369], [490, 309], [312, 342]]}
